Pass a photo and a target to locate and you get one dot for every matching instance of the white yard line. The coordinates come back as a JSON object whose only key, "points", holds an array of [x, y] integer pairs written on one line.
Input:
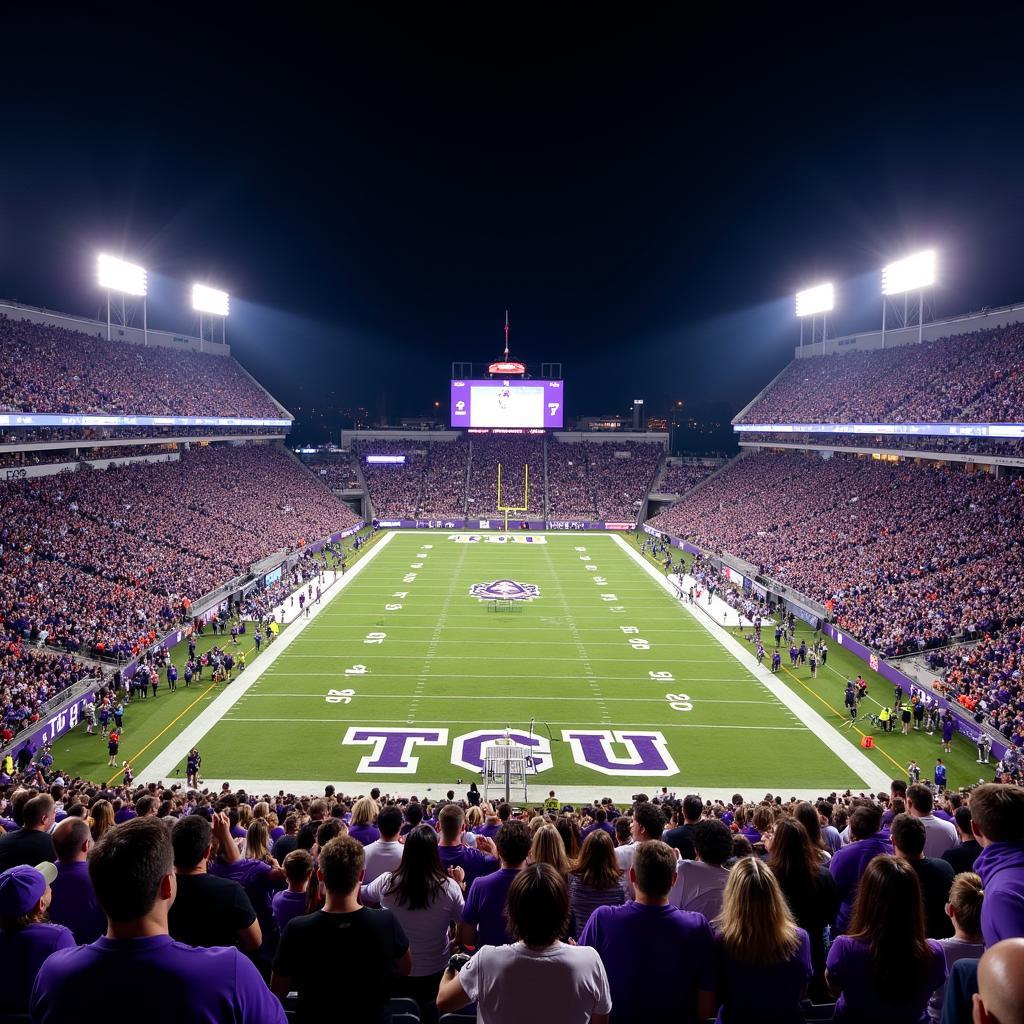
{"points": [[869, 773], [576, 723], [175, 752]]}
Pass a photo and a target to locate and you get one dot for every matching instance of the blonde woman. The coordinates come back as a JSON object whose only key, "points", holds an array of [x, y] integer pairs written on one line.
{"points": [[101, 819], [548, 848], [362, 826], [764, 959], [964, 910]]}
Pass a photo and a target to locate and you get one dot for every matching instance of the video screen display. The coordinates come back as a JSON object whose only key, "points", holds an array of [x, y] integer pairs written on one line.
{"points": [[507, 403]]}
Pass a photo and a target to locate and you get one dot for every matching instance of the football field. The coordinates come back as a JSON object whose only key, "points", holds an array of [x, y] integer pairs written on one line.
{"points": [[437, 642]]}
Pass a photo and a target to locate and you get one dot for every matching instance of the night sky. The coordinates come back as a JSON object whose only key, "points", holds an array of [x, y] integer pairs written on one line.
{"points": [[643, 194]]}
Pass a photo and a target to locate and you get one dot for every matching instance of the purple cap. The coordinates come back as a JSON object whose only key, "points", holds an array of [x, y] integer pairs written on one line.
{"points": [[21, 887]]}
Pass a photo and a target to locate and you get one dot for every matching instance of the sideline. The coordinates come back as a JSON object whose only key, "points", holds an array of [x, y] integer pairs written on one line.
{"points": [[869, 773], [575, 794], [162, 766]]}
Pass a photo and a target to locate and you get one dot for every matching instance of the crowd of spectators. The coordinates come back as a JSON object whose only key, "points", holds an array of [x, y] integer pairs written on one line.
{"points": [[605, 480], [29, 678], [514, 454], [904, 557], [985, 678], [902, 906], [976, 377], [570, 494], [430, 484], [103, 561], [335, 469], [678, 477], [621, 474], [56, 370]]}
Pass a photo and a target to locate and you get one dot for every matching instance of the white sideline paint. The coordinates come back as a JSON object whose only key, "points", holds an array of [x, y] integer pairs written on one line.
{"points": [[718, 609], [537, 792], [162, 766], [869, 774]]}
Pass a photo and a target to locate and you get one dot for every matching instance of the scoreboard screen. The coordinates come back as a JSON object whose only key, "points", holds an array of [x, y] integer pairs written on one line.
{"points": [[512, 404]]}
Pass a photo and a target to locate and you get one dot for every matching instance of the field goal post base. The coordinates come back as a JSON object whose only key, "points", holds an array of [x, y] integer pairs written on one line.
{"points": [[507, 765]]}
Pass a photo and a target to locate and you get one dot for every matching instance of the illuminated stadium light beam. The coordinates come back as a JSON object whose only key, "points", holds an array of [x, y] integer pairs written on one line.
{"points": [[812, 301], [117, 275], [909, 274], [120, 276], [209, 300]]}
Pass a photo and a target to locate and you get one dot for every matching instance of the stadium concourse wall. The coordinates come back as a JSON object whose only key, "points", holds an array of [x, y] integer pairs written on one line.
{"points": [[65, 715], [804, 608]]}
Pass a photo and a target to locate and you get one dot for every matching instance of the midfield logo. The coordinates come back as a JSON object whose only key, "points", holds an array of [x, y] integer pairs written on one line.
{"points": [[504, 590]]}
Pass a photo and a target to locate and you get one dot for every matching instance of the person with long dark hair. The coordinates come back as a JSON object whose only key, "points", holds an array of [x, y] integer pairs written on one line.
{"points": [[809, 889], [595, 880], [885, 969], [426, 901]]}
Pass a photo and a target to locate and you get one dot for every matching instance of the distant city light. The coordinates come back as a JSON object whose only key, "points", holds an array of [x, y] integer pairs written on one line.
{"points": [[812, 301], [910, 274], [118, 276], [209, 300]]}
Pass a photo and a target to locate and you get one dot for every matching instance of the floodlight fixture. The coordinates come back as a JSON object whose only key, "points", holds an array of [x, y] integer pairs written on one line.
{"points": [[209, 300], [910, 274], [812, 301], [120, 276]]}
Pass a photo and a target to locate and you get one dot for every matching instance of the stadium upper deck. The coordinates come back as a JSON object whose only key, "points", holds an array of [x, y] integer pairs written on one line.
{"points": [[961, 378], [67, 371]]}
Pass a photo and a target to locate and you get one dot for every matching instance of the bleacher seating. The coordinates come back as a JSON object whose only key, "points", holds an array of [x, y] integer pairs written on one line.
{"points": [[976, 377], [905, 557]]}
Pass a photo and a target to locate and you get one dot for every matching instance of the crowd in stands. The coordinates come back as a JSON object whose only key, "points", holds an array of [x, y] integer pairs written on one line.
{"points": [[430, 484], [621, 474], [904, 557], [514, 454], [585, 480], [103, 561], [904, 906], [985, 677], [57, 370], [570, 494], [29, 678], [335, 469], [680, 477], [976, 377], [1007, 447]]}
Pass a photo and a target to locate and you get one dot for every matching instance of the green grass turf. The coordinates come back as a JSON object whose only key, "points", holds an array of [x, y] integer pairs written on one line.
{"points": [[447, 661], [892, 751], [150, 724]]}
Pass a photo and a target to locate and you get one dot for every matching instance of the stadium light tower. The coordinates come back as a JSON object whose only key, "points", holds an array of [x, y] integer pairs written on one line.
{"points": [[911, 274], [815, 302], [214, 302], [116, 275]]}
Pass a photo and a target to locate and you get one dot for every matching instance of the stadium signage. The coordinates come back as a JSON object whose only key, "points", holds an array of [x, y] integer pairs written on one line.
{"points": [[378, 459], [98, 420], [504, 590], [612, 752], [924, 429]]}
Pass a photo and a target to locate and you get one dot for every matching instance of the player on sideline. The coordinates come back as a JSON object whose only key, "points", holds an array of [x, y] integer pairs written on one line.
{"points": [[850, 699]]}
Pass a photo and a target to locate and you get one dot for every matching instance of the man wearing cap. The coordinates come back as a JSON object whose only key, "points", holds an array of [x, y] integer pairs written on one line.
{"points": [[32, 844], [132, 871], [26, 937]]}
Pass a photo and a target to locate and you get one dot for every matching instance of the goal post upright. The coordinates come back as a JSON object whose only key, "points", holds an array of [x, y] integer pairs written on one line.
{"points": [[506, 509]]}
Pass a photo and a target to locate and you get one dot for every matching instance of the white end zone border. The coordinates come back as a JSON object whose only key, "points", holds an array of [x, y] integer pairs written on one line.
{"points": [[869, 773], [162, 766]]}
